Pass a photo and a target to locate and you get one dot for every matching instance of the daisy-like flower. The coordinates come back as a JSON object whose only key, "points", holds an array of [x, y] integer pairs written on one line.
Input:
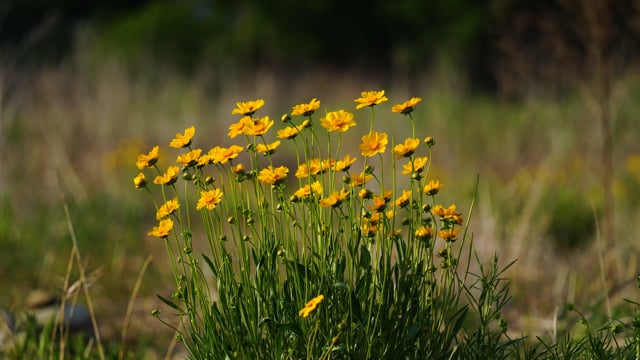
{"points": [[311, 306], [139, 181], [448, 215], [148, 160], [267, 149], [209, 199], [424, 232], [370, 98], [307, 190], [168, 177], [416, 167], [379, 204], [344, 164], [432, 187], [183, 140], [221, 155], [315, 167], [289, 132], [405, 150], [339, 121], [190, 158], [361, 179], [335, 199], [240, 127], [162, 230], [167, 208], [306, 109], [247, 108], [406, 107], [271, 175], [259, 126], [449, 235], [403, 200], [373, 143]]}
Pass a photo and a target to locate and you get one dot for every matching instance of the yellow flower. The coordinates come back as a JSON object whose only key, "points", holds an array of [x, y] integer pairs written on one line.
{"points": [[148, 160], [338, 121], [403, 200], [370, 98], [407, 106], [259, 126], [271, 175], [288, 133], [311, 306], [168, 177], [416, 166], [315, 166], [240, 127], [306, 191], [424, 232], [268, 148], [247, 108], [369, 230], [432, 187], [183, 140], [209, 199], [379, 204], [344, 164], [306, 109], [450, 234], [238, 169], [360, 180], [335, 199], [405, 150], [221, 155], [190, 158], [373, 143], [167, 208], [140, 181], [447, 214], [162, 230]]}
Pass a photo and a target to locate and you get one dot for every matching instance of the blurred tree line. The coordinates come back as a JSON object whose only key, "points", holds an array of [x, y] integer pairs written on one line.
{"points": [[496, 44]]}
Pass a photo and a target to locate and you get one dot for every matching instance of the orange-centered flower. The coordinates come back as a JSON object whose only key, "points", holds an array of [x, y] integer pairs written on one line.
{"points": [[311, 306], [373, 143], [183, 140], [240, 127], [339, 121], [247, 108], [209, 199], [370, 98], [259, 126]]}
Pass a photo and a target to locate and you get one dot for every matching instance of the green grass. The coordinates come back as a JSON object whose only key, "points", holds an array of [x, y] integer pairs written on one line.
{"points": [[535, 160]]}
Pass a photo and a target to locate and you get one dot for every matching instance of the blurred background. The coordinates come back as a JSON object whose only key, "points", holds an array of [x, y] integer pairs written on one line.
{"points": [[540, 100]]}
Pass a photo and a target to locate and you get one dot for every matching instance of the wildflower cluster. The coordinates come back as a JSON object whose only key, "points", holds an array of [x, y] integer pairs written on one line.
{"points": [[344, 230]]}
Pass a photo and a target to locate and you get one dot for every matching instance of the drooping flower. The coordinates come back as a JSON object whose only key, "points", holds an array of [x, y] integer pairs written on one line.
{"points": [[271, 175], [432, 187], [259, 126], [339, 121], [169, 177], [311, 306], [148, 160], [190, 158], [139, 181], [417, 166], [183, 140], [370, 98], [406, 107], [163, 229], [306, 109], [209, 199], [405, 150], [373, 143], [345, 163], [289, 132], [266, 149], [240, 127], [167, 208], [247, 108]]}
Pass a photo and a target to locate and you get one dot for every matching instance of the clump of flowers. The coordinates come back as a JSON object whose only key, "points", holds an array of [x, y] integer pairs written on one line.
{"points": [[363, 231]]}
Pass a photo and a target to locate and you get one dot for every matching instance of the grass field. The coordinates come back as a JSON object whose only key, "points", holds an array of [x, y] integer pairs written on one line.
{"points": [[70, 135]]}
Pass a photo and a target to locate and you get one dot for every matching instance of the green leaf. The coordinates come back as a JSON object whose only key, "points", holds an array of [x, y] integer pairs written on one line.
{"points": [[170, 303], [210, 264]]}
